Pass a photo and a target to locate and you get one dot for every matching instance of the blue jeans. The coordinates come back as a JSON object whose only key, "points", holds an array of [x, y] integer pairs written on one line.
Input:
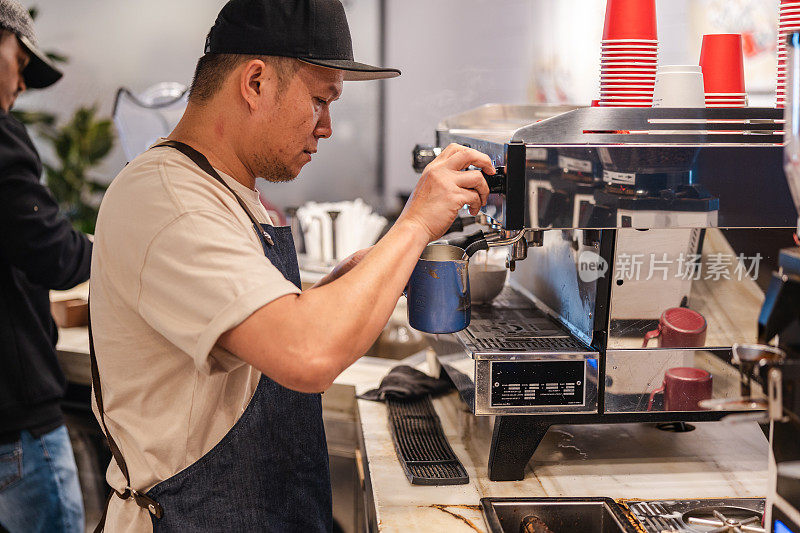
{"points": [[39, 489]]}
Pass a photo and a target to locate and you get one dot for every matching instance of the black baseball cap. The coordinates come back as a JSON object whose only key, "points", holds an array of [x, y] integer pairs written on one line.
{"points": [[313, 31], [40, 72]]}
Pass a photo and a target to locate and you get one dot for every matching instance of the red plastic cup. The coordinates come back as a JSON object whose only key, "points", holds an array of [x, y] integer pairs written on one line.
{"points": [[633, 93], [606, 79], [633, 48], [630, 19], [628, 59], [626, 65], [722, 63], [629, 68]]}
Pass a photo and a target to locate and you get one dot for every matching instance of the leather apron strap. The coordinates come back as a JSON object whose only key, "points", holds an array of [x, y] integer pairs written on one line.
{"points": [[141, 500]]}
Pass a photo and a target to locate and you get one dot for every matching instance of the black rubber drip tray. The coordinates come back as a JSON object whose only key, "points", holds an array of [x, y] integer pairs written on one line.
{"points": [[421, 446]]}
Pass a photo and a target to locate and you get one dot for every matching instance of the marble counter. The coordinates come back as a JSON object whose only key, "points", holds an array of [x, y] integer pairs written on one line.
{"points": [[630, 461]]}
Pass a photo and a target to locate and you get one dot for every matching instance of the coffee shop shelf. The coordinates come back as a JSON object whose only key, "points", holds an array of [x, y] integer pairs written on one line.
{"points": [[621, 461]]}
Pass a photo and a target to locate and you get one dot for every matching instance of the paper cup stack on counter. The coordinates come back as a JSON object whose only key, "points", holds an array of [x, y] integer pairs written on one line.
{"points": [[679, 86], [629, 54], [723, 70], [789, 22], [333, 231]]}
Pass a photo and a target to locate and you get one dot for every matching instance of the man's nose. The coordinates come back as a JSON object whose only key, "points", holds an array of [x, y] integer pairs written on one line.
{"points": [[324, 127]]}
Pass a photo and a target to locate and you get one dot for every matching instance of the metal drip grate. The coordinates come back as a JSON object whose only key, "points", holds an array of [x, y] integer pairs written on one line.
{"points": [[498, 329], [528, 344], [655, 517], [717, 515], [421, 446]]}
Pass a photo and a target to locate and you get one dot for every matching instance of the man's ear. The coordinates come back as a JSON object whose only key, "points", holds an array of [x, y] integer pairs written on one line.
{"points": [[257, 81]]}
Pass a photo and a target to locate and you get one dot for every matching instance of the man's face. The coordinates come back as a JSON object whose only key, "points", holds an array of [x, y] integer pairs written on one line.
{"points": [[290, 128], [13, 60]]}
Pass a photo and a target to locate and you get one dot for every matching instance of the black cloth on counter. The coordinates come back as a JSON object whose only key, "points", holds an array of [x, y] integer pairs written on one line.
{"points": [[406, 383], [39, 251]]}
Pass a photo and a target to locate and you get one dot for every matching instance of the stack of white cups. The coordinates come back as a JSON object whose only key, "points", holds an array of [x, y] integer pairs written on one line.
{"points": [[679, 86]]}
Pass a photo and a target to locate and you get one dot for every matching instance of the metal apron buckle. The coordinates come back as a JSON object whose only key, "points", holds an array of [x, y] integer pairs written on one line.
{"points": [[143, 501]]}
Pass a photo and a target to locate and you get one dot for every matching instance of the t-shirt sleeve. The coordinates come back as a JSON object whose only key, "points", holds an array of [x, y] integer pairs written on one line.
{"points": [[202, 276]]}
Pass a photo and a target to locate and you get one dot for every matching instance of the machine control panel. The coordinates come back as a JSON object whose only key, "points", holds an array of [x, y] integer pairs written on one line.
{"points": [[538, 383]]}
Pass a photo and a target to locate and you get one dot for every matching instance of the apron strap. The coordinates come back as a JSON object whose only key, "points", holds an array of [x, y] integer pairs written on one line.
{"points": [[141, 500], [201, 161]]}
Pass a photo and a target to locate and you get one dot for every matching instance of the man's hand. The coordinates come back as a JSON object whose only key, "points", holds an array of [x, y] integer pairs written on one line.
{"points": [[445, 187]]}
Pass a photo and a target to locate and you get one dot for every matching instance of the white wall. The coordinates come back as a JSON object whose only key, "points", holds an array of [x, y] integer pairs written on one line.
{"points": [[134, 44], [455, 55]]}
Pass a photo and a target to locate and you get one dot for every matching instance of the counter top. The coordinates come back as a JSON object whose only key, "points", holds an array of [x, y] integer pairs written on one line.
{"points": [[621, 461]]}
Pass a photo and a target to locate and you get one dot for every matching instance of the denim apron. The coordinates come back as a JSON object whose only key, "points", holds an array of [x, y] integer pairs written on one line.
{"points": [[270, 471]]}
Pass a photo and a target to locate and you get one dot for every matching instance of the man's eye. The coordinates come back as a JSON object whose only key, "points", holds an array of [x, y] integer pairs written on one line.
{"points": [[320, 101]]}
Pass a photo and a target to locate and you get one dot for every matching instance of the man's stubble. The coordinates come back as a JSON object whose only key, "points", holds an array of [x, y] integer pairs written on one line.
{"points": [[268, 166]]}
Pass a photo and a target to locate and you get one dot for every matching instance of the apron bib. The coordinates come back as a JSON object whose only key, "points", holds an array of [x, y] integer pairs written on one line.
{"points": [[270, 471]]}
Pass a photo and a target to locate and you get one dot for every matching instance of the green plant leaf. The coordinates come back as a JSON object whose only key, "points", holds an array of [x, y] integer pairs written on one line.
{"points": [[34, 118], [79, 144]]}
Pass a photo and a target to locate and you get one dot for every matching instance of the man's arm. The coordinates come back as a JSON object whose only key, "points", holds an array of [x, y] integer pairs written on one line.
{"points": [[304, 341], [344, 267], [34, 236]]}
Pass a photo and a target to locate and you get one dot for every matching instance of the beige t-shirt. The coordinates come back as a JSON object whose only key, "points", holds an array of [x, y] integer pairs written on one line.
{"points": [[175, 264]]}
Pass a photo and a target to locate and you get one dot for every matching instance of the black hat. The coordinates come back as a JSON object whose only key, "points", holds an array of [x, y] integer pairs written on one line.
{"points": [[314, 31], [40, 71]]}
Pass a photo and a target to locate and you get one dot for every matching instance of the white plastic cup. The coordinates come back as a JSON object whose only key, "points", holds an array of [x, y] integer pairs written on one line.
{"points": [[679, 86]]}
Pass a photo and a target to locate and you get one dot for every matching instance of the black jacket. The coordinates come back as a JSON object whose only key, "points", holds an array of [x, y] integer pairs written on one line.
{"points": [[39, 251]]}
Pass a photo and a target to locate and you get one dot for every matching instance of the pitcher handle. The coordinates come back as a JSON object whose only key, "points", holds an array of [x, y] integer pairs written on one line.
{"points": [[651, 335], [652, 397]]}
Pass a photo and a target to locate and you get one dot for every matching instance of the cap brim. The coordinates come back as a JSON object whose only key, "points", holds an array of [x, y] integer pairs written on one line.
{"points": [[354, 71], [40, 71]]}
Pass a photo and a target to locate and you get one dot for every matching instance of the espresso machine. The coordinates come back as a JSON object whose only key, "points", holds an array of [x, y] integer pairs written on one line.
{"points": [[638, 239]]}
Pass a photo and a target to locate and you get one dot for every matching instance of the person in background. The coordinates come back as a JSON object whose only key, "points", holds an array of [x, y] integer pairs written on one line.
{"points": [[210, 361], [39, 251]]}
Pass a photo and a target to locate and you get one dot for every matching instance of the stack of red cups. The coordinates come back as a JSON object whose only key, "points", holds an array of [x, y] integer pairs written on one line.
{"points": [[723, 70], [629, 54], [789, 22]]}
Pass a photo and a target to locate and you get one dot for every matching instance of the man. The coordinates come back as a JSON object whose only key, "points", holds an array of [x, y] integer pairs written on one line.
{"points": [[210, 359], [39, 251]]}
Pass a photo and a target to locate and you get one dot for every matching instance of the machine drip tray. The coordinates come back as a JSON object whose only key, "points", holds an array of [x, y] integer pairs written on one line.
{"points": [[513, 324]]}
